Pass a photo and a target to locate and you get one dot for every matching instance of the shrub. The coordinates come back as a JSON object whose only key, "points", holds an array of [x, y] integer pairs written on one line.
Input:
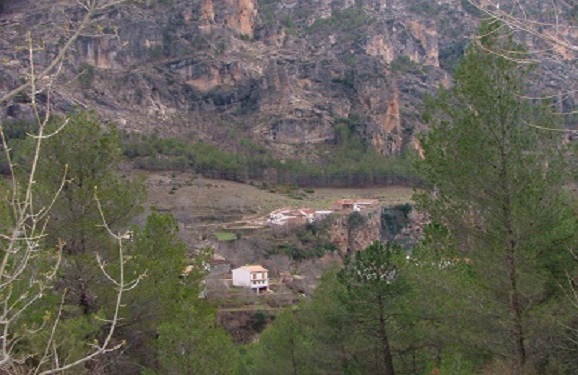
{"points": [[86, 76]]}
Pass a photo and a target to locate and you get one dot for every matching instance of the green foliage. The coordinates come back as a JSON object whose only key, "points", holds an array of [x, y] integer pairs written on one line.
{"points": [[379, 268], [193, 344], [86, 75], [246, 38], [15, 134], [355, 316], [503, 214], [378, 295], [18, 130], [157, 252], [347, 20], [355, 220], [27, 316], [300, 252], [156, 51], [288, 23], [328, 324], [86, 157], [81, 164], [425, 7], [259, 321], [75, 165], [403, 64], [394, 219], [164, 315], [283, 349], [267, 14], [225, 236], [350, 163], [310, 241], [450, 55], [72, 334], [347, 136], [374, 273]]}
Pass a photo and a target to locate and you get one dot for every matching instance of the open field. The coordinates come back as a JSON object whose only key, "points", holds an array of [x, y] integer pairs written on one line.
{"points": [[197, 201]]}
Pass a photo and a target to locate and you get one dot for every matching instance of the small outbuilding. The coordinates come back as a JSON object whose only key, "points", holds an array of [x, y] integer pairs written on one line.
{"points": [[343, 205]]}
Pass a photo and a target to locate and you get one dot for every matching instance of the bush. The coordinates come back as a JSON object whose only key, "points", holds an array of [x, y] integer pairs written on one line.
{"points": [[347, 20], [403, 64], [86, 76], [259, 321]]}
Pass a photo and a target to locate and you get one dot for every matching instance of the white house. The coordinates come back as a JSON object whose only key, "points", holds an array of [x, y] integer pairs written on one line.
{"points": [[255, 277], [323, 214], [308, 213], [278, 215], [286, 216]]}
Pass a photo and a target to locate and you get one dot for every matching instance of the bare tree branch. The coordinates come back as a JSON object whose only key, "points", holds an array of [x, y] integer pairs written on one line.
{"points": [[28, 270]]}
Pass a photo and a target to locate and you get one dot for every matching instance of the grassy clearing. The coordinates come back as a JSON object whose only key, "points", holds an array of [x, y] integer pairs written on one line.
{"points": [[225, 236], [208, 200]]}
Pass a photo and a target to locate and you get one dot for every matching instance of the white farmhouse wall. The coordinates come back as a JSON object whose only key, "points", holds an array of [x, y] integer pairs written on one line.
{"points": [[259, 280], [254, 277], [241, 277]]}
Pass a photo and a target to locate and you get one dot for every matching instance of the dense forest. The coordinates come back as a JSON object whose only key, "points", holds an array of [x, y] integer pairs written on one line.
{"points": [[353, 163], [491, 288]]}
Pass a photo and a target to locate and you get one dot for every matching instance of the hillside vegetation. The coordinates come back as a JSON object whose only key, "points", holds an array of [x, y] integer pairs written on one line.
{"points": [[145, 142]]}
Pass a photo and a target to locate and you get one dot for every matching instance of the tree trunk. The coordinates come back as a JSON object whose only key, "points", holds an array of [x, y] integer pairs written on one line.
{"points": [[387, 358], [516, 309], [293, 357], [511, 245]]}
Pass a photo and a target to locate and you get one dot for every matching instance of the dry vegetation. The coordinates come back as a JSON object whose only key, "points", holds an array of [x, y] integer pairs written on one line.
{"points": [[194, 200]]}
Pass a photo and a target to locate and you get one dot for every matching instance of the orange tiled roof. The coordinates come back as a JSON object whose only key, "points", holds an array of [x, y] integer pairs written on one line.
{"points": [[255, 268]]}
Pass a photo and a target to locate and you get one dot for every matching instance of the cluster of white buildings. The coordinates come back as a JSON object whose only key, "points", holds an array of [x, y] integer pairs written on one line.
{"points": [[284, 216]]}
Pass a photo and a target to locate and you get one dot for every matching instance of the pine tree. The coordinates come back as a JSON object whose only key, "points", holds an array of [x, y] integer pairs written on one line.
{"points": [[375, 287], [499, 188], [82, 161]]}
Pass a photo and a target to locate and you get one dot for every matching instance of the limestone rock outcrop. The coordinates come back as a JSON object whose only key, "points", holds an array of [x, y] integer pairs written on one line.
{"points": [[283, 74]]}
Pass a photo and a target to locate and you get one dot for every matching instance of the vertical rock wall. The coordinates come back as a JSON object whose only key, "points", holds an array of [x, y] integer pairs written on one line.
{"points": [[284, 74]]}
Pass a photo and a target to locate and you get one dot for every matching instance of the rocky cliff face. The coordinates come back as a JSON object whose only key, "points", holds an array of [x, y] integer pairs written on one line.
{"points": [[280, 73], [355, 232]]}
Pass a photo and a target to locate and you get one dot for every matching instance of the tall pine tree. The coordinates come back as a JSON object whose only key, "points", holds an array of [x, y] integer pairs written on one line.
{"points": [[499, 188]]}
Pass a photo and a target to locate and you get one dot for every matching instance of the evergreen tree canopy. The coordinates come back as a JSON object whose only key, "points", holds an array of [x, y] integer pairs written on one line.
{"points": [[499, 187]]}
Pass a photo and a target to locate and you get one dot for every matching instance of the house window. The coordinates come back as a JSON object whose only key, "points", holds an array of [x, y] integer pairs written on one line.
{"points": [[254, 276]]}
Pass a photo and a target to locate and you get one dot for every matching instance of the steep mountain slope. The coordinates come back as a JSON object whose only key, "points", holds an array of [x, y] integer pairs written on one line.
{"points": [[289, 75]]}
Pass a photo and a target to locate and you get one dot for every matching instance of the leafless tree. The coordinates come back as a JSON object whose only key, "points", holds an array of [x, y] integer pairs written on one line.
{"points": [[549, 29], [28, 270], [551, 22]]}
